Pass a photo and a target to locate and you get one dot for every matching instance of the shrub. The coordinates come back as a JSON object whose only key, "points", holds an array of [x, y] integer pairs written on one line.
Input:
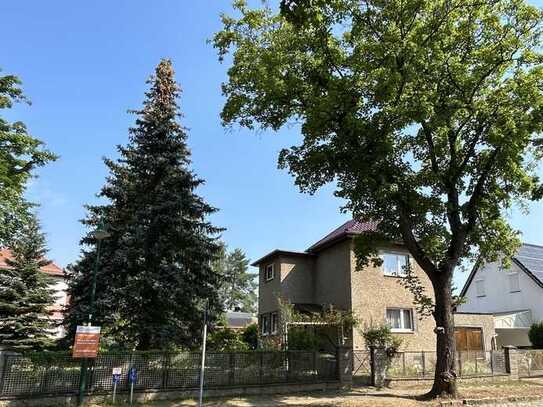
{"points": [[381, 337], [535, 334], [226, 340], [302, 339], [250, 336]]}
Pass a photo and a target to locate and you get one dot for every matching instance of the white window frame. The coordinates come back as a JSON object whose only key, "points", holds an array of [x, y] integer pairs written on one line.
{"points": [[402, 321], [265, 329], [401, 273], [273, 323], [514, 274], [480, 288], [271, 275]]}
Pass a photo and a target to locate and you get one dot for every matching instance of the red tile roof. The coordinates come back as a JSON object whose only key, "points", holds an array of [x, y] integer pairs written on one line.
{"points": [[52, 269], [349, 228]]}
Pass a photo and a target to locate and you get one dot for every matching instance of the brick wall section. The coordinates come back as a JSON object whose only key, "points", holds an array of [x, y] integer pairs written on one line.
{"points": [[373, 292]]}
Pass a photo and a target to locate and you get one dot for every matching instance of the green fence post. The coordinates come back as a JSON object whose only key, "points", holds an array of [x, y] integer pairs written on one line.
{"points": [[423, 365], [231, 368]]}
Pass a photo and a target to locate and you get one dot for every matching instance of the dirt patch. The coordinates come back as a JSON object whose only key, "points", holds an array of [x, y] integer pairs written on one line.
{"points": [[407, 396]]}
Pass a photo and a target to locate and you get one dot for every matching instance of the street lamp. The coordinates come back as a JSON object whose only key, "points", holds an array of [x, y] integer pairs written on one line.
{"points": [[99, 234]]}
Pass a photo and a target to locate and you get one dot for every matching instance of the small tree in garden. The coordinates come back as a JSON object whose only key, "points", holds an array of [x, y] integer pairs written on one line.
{"points": [[425, 115], [535, 334], [250, 336], [381, 337]]}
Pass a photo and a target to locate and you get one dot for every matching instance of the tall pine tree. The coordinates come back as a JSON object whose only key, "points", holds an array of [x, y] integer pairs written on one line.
{"points": [[25, 294], [155, 270]]}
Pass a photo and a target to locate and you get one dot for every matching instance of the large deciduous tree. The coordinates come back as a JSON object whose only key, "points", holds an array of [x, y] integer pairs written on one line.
{"points": [[155, 271], [26, 295], [425, 113], [20, 153]]}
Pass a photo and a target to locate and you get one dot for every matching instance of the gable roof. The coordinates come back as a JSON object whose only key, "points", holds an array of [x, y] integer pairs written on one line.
{"points": [[529, 259], [52, 269], [350, 228]]}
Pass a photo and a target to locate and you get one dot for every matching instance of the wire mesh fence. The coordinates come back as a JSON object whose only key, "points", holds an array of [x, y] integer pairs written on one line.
{"points": [[530, 362], [468, 364], [59, 374]]}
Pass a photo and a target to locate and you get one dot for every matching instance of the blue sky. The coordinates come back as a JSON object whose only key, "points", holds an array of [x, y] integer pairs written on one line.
{"points": [[84, 64]]}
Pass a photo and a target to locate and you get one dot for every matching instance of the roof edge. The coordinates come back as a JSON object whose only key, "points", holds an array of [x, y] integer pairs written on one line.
{"points": [[278, 252]]}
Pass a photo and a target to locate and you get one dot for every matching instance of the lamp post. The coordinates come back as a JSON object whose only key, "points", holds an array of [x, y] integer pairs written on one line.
{"points": [[99, 234]]}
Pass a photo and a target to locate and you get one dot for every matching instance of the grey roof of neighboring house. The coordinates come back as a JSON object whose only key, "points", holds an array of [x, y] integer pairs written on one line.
{"points": [[237, 319], [529, 258]]}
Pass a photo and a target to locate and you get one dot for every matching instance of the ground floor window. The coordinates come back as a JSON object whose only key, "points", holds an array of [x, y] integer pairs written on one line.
{"points": [[264, 324], [400, 319], [274, 323]]}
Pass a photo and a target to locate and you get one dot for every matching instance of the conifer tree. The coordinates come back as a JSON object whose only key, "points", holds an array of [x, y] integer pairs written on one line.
{"points": [[25, 294], [155, 270], [238, 288]]}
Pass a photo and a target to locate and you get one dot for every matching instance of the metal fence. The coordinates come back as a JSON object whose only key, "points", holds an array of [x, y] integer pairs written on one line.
{"points": [[58, 374], [530, 363], [468, 364]]}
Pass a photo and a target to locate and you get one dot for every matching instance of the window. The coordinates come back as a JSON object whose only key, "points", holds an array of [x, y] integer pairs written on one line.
{"points": [[395, 264], [274, 323], [400, 319], [269, 272], [514, 285], [264, 325], [480, 288]]}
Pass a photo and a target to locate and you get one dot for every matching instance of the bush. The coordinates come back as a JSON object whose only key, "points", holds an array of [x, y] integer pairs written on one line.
{"points": [[250, 336], [535, 334], [226, 340], [381, 337], [302, 339]]}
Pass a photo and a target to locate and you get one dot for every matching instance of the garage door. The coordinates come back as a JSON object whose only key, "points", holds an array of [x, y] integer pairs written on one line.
{"points": [[468, 339]]}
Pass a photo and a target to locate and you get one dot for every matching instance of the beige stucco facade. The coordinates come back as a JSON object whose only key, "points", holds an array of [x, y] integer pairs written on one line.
{"points": [[330, 277]]}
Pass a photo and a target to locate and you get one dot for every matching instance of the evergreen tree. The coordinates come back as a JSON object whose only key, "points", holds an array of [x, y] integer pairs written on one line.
{"points": [[25, 294], [238, 288], [155, 271]]}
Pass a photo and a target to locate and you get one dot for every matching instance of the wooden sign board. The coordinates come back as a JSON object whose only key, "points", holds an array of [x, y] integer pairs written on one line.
{"points": [[87, 340]]}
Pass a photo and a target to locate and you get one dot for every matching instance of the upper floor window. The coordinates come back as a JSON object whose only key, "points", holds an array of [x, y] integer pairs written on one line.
{"points": [[395, 264], [400, 319], [514, 285], [480, 288], [269, 272]]}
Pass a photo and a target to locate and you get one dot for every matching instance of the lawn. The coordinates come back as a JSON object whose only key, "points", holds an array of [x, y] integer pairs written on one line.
{"points": [[408, 396]]}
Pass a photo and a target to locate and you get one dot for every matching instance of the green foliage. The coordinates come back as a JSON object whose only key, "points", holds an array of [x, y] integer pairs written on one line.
{"points": [[227, 340], [155, 273], [381, 337], [238, 288], [426, 116], [250, 336], [20, 153], [25, 294], [301, 338], [535, 334]]}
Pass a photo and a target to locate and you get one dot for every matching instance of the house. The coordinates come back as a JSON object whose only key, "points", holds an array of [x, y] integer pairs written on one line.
{"points": [[58, 283], [238, 320], [514, 295], [325, 275]]}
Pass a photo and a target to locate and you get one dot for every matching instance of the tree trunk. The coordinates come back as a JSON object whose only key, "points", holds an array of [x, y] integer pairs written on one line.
{"points": [[445, 373]]}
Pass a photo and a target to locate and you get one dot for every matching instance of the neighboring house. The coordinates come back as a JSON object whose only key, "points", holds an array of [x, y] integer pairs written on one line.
{"points": [[325, 275], [513, 295], [238, 320], [58, 284]]}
